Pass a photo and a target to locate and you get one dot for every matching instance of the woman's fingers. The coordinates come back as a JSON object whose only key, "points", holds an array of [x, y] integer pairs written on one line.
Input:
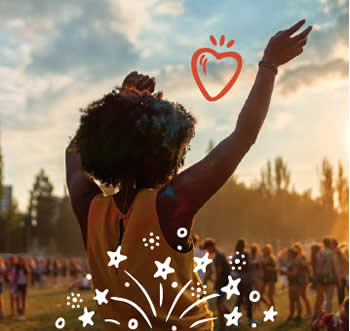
{"points": [[295, 27], [129, 80], [303, 34], [146, 83], [139, 81]]}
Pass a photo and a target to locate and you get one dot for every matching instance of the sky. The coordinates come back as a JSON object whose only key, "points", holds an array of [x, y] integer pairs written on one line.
{"points": [[57, 56]]}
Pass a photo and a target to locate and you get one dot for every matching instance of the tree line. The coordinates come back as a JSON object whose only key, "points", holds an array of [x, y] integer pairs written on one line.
{"points": [[267, 210]]}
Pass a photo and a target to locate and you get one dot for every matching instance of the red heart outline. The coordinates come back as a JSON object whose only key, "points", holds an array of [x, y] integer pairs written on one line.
{"points": [[218, 56]]}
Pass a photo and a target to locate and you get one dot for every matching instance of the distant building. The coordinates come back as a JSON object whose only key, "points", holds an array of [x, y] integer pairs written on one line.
{"points": [[6, 199]]}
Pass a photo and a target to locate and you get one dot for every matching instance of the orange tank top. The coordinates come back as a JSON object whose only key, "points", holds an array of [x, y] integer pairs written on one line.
{"points": [[150, 285]]}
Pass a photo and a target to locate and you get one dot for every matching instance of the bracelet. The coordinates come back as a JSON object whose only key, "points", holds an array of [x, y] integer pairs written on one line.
{"points": [[269, 66]]}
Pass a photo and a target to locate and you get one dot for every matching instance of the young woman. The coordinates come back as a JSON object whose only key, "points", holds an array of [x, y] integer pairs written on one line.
{"points": [[12, 262], [293, 284], [2, 281], [269, 267], [257, 272], [22, 282], [136, 141], [303, 277], [282, 263], [326, 274]]}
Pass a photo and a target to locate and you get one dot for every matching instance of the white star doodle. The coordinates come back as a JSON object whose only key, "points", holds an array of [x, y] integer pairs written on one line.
{"points": [[233, 318], [116, 257], [86, 318], [202, 262], [100, 296], [164, 269], [270, 314], [231, 288]]}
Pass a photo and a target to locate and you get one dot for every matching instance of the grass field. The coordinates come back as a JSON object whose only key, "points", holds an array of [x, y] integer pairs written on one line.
{"points": [[46, 305]]}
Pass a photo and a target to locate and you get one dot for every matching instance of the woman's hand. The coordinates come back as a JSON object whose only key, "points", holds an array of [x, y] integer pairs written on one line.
{"points": [[139, 82], [282, 47]]}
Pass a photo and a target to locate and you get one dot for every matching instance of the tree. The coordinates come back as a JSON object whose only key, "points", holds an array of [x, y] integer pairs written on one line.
{"points": [[342, 188], [326, 185], [42, 203], [274, 183], [282, 174]]}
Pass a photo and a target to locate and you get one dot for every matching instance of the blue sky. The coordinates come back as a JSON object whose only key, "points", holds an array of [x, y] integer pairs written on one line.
{"points": [[57, 56]]}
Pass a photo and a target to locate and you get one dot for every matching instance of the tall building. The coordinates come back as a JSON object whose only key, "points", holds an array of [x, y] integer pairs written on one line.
{"points": [[6, 199]]}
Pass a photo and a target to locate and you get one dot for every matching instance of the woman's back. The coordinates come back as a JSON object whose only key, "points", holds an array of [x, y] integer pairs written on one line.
{"points": [[150, 274]]}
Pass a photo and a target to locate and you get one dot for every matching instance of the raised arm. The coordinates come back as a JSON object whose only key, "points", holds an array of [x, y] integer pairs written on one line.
{"points": [[188, 191]]}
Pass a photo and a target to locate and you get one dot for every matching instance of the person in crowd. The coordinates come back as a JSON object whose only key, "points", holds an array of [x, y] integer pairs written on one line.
{"points": [[32, 268], [41, 271], [56, 271], [3, 271], [243, 270], [341, 265], [198, 253], [12, 281], [49, 266], [293, 285], [326, 275], [257, 272], [222, 269], [269, 267], [81, 283], [22, 281], [134, 139], [314, 250], [304, 275], [333, 321], [282, 264], [65, 270]]}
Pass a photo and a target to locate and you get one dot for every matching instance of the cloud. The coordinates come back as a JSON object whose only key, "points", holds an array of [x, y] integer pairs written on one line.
{"points": [[325, 56], [279, 121], [308, 75], [170, 8]]}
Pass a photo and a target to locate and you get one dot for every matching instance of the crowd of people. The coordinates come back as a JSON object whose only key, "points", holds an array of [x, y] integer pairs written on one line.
{"points": [[18, 273], [325, 270]]}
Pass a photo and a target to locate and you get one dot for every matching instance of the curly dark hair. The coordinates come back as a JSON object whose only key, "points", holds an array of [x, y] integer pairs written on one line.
{"points": [[134, 136]]}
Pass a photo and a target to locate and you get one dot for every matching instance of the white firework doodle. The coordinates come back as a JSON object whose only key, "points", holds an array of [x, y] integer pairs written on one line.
{"points": [[239, 260], [133, 323], [152, 241], [74, 300], [197, 290]]}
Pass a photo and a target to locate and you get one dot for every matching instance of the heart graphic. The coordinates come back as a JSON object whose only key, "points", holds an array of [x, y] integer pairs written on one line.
{"points": [[203, 61]]}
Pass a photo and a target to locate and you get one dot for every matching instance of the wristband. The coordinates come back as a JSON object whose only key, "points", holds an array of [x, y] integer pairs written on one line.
{"points": [[269, 66]]}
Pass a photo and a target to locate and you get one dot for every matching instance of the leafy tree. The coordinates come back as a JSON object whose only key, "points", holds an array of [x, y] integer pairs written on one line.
{"points": [[342, 187], [42, 207], [282, 174], [326, 185]]}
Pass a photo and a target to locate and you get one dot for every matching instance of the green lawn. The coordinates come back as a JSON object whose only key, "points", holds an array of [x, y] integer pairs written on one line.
{"points": [[45, 306]]}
